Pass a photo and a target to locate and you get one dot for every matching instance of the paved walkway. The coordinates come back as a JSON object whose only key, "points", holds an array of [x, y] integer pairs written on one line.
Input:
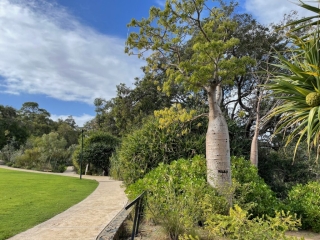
{"points": [[84, 220]]}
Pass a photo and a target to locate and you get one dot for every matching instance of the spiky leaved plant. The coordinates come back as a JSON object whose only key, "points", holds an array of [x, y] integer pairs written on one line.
{"points": [[309, 22], [299, 92]]}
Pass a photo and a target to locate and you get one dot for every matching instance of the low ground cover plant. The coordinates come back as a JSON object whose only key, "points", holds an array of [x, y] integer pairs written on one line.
{"points": [[238, 224], [28, 199]]}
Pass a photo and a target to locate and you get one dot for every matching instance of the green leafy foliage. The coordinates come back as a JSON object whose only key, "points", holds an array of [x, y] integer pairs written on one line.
{"points": [[175, 193], [304, 200], [98, 147], [309, 21], [281, 173], [291, 88], [178, 198], [7, 153], [44, 153], [68, 130], [12, 131], [251, 191], [129, 108], [239, 142], [208, 65], [145, 148], [239, 225], [165, 32], [36, 120]]}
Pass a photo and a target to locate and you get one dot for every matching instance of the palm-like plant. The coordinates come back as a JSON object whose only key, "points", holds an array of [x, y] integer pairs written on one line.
{"points": [[307, 22], [299, 92]]}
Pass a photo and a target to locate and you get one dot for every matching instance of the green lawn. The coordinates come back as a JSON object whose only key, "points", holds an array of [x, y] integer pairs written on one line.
{"points": [[27, 199]]}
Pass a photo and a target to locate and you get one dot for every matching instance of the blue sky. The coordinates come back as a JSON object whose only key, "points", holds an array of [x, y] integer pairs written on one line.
{"points": [[63, 54]]}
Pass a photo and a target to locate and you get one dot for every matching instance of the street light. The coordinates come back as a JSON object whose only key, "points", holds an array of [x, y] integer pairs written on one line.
{"points": [[81, 159]]}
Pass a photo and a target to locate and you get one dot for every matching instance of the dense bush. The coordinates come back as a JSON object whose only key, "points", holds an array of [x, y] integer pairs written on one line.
{"points": [[7, 153], [251, 192], [43, 153], [281, 172], [30, 159], [305, 201], [98, 147], [179, 198], [175, 193], [239, 142], [143, 149]]}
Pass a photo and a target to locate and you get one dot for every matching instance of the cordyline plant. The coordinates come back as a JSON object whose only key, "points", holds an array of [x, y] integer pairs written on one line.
{"points": [[310, 21], [299, 93]]}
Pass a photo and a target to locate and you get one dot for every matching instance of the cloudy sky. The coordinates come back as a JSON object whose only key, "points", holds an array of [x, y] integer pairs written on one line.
{"points": [[63, 54]]}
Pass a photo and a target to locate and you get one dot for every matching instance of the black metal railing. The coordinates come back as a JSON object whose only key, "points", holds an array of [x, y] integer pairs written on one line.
{"points": [[137, 213]]}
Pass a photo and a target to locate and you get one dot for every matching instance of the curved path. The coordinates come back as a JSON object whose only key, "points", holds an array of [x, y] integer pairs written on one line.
{"points": [[84, 220]]}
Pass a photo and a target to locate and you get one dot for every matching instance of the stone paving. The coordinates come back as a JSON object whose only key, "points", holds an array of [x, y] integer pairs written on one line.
{"points": [[84, 220]]}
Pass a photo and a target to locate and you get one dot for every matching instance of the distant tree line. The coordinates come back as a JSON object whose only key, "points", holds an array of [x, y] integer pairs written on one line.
{"points": [[30, 138]]}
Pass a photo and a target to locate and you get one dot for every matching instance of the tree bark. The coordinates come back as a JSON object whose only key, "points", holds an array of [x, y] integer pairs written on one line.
{"points": [[254, 143], [254, 146], [217, 143]]}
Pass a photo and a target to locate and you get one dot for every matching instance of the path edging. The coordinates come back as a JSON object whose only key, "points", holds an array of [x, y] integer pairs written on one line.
{"points": [[114, 229]]}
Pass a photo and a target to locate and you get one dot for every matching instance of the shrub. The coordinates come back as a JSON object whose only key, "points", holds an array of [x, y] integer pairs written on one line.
{"points": [[143, 149], [178, 198], [115, 166], [98, 147], [281, 172], [251, 192], [7, 153], [43, 153], [29, 159], [13, 155], [304, 200], [9, 164], [70, 151], [175, 193], [239, 225]]}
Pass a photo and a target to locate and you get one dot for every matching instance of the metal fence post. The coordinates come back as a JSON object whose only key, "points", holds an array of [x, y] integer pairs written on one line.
{"points": [[137, 214]]}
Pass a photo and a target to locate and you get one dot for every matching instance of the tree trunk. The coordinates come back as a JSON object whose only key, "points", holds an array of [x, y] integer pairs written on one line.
{"points": [[254, 143], [254, 146], [217, 143]]}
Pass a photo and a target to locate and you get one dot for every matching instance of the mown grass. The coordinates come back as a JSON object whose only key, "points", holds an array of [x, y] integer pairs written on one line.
{"points": [[27, 199]]}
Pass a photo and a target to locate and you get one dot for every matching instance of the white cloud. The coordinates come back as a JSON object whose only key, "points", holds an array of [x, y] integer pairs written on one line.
{"points": [[80, 120], [272, 11], [45, 50]]}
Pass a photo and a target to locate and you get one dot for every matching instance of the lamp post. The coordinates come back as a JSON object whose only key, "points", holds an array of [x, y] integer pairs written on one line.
{"points": [[81, 159]]}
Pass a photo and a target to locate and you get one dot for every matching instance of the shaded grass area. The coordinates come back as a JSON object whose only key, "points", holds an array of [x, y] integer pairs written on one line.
{"points": [[27, 199]]}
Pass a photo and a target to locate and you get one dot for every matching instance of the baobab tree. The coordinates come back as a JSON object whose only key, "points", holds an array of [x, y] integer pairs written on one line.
{"points": [[191, 41]]}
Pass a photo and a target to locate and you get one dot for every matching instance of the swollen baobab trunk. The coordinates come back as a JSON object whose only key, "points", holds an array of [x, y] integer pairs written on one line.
{"points": [[217, 143]]}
